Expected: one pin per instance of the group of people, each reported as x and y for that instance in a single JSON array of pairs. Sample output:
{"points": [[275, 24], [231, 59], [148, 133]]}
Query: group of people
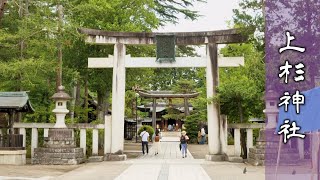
{"points": [[156, 142], [155, 138]]}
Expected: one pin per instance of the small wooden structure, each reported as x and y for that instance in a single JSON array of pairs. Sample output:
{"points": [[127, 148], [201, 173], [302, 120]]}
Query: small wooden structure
{"points": [[12, 147], [12, 103]]}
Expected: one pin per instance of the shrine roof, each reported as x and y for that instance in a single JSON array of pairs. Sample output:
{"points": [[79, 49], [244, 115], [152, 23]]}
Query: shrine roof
{"points": [[18, 101], [162, 106]]}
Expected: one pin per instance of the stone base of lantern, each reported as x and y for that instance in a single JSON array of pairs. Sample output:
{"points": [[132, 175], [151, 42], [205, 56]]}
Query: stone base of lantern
{"points": [[266, 151], [216, 157], [59, 148], [115, 157]]}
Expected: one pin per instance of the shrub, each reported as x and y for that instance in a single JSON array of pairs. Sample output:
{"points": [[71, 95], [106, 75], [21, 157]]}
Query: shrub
{"points": [[150, 130]]}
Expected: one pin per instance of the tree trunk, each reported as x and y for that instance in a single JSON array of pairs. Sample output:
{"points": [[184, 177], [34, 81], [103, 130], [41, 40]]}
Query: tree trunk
{"points": [[59, 46], [86, 98], [101, 105], [73, 102], [242, 134], [240, 111], [106, 108], [78, 95], [186, 107], [2, 6]]}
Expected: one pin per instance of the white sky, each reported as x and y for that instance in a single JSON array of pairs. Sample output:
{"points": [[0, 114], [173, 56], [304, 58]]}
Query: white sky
{"points": [[216, 14]]}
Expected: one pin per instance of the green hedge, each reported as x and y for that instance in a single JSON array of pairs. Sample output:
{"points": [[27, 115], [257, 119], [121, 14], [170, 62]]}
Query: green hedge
{"points": [[150, 130]]}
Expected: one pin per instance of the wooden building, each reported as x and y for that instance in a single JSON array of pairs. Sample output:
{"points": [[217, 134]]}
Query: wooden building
{"points": [[161, 110]]}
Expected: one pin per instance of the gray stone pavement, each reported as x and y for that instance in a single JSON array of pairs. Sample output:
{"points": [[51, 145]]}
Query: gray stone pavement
{"points": [[167, 165]]}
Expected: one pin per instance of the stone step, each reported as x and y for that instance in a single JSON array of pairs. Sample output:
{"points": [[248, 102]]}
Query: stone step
{"points": [[171, 134], [59, 150], [256, 162], [270, 150], [57, 161], [57, 155], [283, 156], [95, 158]]}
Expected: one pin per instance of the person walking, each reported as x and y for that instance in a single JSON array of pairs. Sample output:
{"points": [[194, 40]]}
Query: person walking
{"points": [[156, 142], [199, 137], [183, 141], [203, 136], [144, 135]]}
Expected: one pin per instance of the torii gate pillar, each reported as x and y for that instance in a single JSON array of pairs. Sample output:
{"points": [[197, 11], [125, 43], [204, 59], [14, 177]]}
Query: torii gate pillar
{"points": [[213, 114], [118, 98]]}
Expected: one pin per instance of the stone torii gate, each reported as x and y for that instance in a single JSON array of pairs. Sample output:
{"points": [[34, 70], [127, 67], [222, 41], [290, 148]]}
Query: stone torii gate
{"points": [[120, 61]]}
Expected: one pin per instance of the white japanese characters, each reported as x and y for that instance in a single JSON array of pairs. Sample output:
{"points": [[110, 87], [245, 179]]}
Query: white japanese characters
{"points": [[289, 128], [288, 47], [297, 99]]}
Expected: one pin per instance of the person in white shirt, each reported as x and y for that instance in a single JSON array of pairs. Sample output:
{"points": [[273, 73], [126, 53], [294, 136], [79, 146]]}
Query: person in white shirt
{"points": [[203, 136], [145, 135]]}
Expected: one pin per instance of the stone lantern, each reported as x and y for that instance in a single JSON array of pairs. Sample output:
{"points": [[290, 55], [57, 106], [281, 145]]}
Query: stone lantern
{"points": [[59, 146], [271, 110], [61, 110], [267, 137]]}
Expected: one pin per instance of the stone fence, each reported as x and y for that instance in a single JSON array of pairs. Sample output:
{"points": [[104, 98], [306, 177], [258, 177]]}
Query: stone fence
{"points": [[95, 127], [46, 126], [249, 129]]}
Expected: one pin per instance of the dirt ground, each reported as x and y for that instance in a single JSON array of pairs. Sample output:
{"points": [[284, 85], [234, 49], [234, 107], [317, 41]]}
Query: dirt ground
{"points": [[36, 171], [198, 151]]}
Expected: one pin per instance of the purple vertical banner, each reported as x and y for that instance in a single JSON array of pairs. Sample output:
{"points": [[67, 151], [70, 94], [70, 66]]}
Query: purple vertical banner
{"points": [[292, 39]]}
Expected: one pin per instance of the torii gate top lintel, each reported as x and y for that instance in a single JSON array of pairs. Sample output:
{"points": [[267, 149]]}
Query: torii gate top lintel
{"points": [[182, 38]]}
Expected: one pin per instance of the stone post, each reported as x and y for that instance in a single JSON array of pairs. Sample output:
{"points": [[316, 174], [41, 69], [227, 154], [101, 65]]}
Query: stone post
{"points": [[107, 135], [34, 140], [45, 132], [214, 143], [95, 142], [118, 103], [249, 140], [237, 146], [301, 147], [22, 131], [83, 140]]}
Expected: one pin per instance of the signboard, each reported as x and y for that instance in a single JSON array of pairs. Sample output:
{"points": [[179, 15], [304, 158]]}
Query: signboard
{"points": [[165, 48]]}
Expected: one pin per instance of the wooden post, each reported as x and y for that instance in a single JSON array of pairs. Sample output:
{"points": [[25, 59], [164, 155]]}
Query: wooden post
{"points": [[154, 113], [186, 107]]}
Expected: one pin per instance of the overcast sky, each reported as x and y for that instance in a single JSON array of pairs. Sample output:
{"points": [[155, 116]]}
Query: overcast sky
{"points": [[215, 14]]}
